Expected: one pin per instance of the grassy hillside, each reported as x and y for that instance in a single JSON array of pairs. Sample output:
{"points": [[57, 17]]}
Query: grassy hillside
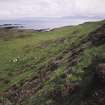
{"points": [[36, 68]]}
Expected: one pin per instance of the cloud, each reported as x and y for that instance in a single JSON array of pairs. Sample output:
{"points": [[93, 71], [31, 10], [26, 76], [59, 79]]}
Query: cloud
{"points": [[50, 8], [94, 7]]}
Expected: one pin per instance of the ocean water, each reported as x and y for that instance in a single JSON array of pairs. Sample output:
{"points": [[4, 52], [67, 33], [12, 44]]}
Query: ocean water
{"points": [[45, 23]]}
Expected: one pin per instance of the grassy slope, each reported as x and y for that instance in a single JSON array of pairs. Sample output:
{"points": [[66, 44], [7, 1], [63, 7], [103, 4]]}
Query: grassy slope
{"points": [[21, 57]]}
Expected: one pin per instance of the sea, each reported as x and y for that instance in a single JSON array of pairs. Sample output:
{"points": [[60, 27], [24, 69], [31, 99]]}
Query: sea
{"points": [[45, 23]]}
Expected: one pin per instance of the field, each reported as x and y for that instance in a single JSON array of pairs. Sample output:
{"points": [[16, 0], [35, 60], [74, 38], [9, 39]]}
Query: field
{"points": [[41, 62]]}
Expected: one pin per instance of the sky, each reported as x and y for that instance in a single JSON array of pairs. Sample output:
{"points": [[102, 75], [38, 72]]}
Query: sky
{"points": [[13, 9]]}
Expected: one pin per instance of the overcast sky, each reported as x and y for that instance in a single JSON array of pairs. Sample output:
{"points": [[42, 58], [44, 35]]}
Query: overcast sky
{"points": [[11, 9]]}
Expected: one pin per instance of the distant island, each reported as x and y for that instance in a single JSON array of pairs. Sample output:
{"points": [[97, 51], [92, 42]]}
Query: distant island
{"points": [[19, 26], [11, 26]]}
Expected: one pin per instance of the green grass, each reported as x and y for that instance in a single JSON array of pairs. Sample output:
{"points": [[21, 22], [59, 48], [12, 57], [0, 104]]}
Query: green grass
{"points": [[21, 57]]}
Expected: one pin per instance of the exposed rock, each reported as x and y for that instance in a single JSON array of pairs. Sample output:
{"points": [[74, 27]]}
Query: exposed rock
{"points": [[100, 73]]}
